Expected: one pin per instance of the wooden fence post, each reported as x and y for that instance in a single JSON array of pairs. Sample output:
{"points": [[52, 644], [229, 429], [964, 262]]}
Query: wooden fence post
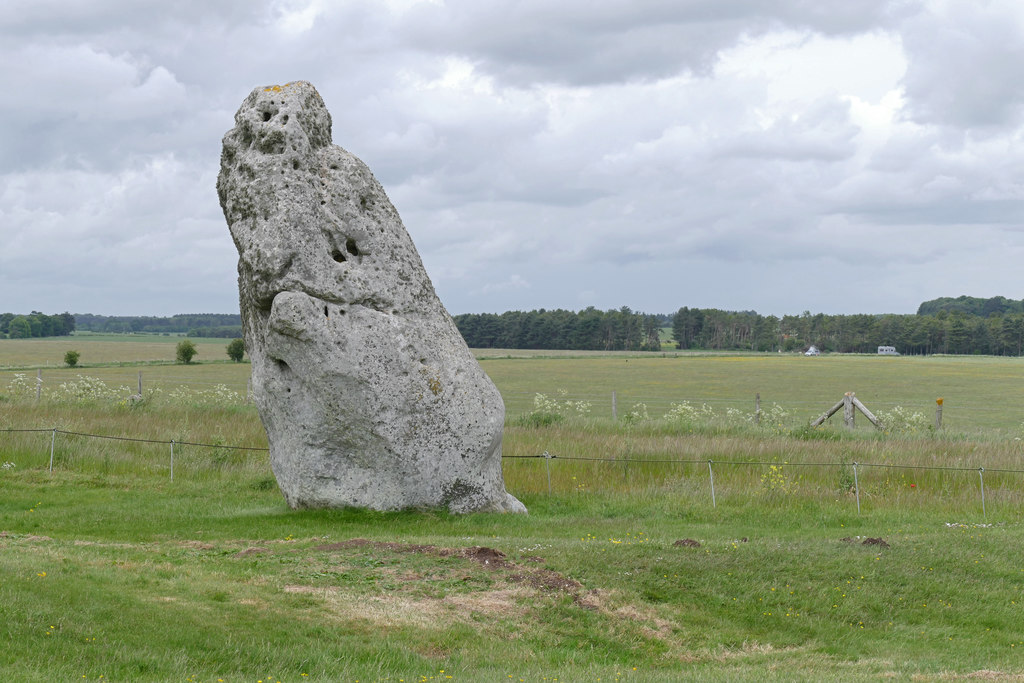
{"points": [[615, 406], [757, 409], [39, 384], [140, 383], [938, 414], [848, 403]]}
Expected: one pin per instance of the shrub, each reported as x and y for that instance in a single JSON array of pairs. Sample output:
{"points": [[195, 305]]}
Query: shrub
{"points": [[236, 350], [71, 358], [186, 351]]}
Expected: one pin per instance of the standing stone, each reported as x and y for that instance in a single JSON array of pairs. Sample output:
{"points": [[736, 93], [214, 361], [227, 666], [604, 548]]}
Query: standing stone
{"points": [[369, 395]]}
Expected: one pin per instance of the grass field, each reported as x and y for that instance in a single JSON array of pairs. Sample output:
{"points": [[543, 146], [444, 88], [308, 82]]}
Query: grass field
{"points": [[108, 568]]}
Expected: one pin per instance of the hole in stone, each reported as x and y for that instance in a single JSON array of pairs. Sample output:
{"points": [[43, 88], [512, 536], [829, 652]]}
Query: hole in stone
{"points": [[341, 311], [350, 247], [284, 119], [326, 314], [334, 167], [338, 256], [266, 116], [295, 164], [362, 203]]}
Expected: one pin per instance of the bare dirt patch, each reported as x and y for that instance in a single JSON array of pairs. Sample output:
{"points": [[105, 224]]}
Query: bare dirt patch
{"points": [[880, 542]]}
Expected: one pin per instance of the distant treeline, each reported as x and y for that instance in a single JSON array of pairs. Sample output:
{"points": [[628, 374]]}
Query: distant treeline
{"points": [[948, 330], [961, 325], [618, 330], [36, 324], [944, 332], [226, 332], [192, 324]]}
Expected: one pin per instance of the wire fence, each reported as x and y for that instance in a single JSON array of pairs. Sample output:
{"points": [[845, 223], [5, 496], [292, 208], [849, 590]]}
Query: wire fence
{"points": [[712, 465]]}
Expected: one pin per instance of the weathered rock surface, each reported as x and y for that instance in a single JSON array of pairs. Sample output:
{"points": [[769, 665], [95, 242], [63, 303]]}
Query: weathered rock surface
{"points": [[368, 393]]}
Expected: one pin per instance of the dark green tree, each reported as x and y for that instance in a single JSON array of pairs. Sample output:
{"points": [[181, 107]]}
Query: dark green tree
{"points": [[186, 351], [19, 328], [236, 350]]}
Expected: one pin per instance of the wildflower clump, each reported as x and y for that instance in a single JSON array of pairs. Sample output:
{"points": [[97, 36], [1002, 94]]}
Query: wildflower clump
{"points": [[87, 389], [776, 480], [686, 414], [900, 420], [548, 411], [219, 395], [637, 414], [774, 419], [21, 386]]}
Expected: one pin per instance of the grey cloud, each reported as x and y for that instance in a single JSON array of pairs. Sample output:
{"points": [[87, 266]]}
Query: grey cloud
{"points": [[966, 64], [585, 43], [821, 132]]}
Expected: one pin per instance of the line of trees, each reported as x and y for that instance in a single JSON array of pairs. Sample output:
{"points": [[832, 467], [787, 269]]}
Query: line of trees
{"points": [[612, 330], [945, 331], [36, 324], [186, 323]]}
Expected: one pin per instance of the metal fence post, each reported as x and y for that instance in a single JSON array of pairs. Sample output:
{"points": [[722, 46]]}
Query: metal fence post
{"points": [[547, 464], [53, 441], [981, 475], [711, 475], [856, 486], [172, 460]]}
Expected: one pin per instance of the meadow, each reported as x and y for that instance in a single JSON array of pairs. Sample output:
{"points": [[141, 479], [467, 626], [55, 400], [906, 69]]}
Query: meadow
{"points": [[625, 569]]}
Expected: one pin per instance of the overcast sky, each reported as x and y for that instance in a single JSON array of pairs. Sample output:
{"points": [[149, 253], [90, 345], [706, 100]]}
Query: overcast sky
{"points": [[836, 157]]}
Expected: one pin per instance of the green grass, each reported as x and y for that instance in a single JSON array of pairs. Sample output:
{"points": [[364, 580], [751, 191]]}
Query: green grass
{"points": [[108, 568], [134, 578], [980, 393], [104, 349]]}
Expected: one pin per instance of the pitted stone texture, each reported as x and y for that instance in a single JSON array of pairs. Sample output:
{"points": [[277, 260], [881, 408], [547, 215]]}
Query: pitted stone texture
{"points": [[368, 393]]}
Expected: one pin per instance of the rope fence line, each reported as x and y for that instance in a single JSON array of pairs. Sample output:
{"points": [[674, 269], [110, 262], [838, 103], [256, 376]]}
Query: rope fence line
{"points": [[548, 457]]}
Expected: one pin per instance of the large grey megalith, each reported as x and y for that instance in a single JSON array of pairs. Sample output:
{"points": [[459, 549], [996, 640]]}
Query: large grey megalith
{"points": [[368, 393]]}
